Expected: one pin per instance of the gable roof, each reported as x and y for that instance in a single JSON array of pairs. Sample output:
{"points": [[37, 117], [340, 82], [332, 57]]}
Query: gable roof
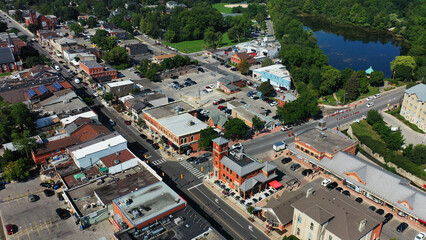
{"points": [[218, 118], [121, 156], [280, 208], [419, 90], [220, 141], [241, 167]]}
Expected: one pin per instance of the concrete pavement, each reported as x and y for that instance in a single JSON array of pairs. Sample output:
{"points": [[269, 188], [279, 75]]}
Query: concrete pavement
{"points": [[410, 136]]}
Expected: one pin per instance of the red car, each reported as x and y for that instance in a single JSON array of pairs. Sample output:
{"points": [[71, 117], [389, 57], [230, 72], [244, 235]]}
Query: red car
{"points": [[127, 122], [248, 83], [221, 107], [215, 102], [9, 229]]}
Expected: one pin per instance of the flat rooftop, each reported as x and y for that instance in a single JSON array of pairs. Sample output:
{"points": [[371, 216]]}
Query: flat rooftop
{"points": [[278, 70], [169, 109], [183, 124], [331, 141], [120, 83], [148, 202]]}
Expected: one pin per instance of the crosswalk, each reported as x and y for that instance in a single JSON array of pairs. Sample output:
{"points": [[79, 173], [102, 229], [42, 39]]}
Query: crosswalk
{"points": [[159, 161], [191, 169]]}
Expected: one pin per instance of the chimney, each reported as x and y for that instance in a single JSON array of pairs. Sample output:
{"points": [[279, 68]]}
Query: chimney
{"points": [[362, 224], [309, 192]]}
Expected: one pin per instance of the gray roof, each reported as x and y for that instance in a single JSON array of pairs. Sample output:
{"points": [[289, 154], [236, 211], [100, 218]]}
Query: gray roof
{"points": [[280, 208], [332, 143], [169, 109], [378, 182], [183, 124], [91, 64], [220, 141], [259, 178], [231, 87], [269, 167], [218, 118], [419, 90], [66, 41], [288, 97], [241, 167], [138, 48], [342, 214], [229, 79], [6, 55], [248, 184]]}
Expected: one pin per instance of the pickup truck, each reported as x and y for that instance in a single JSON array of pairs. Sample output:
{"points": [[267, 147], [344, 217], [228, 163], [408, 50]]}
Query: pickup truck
{"points": [[278, 146]]}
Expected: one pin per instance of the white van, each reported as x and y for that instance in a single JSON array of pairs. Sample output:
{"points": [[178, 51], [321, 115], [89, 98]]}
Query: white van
{"points": [[57, 68]]}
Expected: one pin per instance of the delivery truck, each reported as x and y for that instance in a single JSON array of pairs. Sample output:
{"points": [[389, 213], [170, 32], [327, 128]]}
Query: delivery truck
{"points": [[278, 146]]}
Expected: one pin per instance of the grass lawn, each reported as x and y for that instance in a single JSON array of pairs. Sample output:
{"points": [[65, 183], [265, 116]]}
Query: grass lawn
{"points": [[328, 100], [371, 91], [5, 74], [221, 7], [197, 45], [365, 133]]}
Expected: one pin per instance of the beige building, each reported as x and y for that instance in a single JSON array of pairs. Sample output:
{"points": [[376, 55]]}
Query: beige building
{"points": [[158, 59], [330, 215], [414, 105]]}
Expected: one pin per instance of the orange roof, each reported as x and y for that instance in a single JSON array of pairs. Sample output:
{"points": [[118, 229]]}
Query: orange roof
{"points": [[122, 156], [90, 131], [165, 56]]}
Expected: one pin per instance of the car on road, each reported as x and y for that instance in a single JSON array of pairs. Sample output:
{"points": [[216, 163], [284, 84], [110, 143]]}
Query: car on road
{"points": [[294, 167], [57, 68], [401, 227], [48, 192], [207, 154], [201, 160], [285, 160], [204, 112], [377, 96], [358, 200], [10, 229], [325, 182], [127, 122], [77, 81], [307, 172], [221, 107], [388, 217], [62, 213], [370, 98], [380, 211], [370, 104], [332, 185], [149, 141], [420, 236], [191, 159], [60, 197], [238, 145], [286, 128], [372, 208], [95, 94], [32, 198], [111, 123]]}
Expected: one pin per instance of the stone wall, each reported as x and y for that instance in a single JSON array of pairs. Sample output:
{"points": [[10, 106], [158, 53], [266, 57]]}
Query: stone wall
{"points": [[414, 179]]}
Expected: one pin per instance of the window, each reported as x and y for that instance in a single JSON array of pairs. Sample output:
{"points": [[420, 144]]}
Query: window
{"points": [[191, 138], [298, 231], [330, 238], [237, 177], [310, 236], [299, 219], [312, 226]]}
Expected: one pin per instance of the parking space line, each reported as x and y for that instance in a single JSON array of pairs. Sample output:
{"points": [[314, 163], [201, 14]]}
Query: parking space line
{"points": [[36, 225], [45, 223]]}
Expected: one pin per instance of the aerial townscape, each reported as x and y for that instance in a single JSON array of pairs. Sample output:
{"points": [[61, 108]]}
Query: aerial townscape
{"points": [[211, 120]]}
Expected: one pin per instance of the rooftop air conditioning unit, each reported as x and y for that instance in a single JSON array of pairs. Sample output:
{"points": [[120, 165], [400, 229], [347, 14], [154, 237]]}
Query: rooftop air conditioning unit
{"points": [[117, 161]]}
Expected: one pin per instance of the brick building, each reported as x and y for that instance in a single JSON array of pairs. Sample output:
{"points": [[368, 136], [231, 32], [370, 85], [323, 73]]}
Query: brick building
{"points": [[14, 43], [95, 70], [8, 62], [238, 58], [42, 21], [218, 120], [241, 172], [230, 84]]}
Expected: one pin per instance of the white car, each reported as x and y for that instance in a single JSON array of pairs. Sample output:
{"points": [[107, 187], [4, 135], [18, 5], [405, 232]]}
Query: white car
{"points": [[370, 104], [420, 236], [325, 182], [77, 80], [57, 68], [95, 94], [204, 112], [377, 96], [238, 145], [286, 128], [369, 98]]}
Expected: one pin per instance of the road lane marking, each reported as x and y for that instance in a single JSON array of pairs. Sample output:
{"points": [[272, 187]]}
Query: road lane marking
{"points": [[194, 186], [253, 236]]}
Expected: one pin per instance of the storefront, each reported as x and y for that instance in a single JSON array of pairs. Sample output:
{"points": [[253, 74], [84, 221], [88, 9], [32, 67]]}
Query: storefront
{"points": [[373, 198], [352, 186]]}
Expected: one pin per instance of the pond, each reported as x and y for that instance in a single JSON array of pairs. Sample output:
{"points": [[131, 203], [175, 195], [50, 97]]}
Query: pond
{"points": [[355, 47]]}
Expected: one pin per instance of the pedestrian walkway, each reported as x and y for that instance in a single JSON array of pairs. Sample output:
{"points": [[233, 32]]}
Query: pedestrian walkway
{"points": [[158, 162], [191, 169]]}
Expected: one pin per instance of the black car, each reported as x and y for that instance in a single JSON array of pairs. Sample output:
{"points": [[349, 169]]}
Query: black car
{"points": [[380, 211], [339, 189], [286, 160], [294, 167], [201, 160], [174, 77], [62, 213], [372, 208], [307, 172], [388, 217], [45, 184], [346, 193], [48, 192], [358, 200], [143, 136], [149, 141], [332, 185], [401, 227], [60, 197], [207, 154], [191, 159]]}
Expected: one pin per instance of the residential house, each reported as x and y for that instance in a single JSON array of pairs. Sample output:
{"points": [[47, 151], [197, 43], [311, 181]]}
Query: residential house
{"points": [[120, 88], [241, 172], [95, 70], [238, 57], [158, 59], [276, 74], [414, 106]]}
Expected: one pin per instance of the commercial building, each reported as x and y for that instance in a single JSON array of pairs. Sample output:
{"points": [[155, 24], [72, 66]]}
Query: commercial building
{"points": [[239, 57], [414, 105], [119, 161], [36, 94], [137, 103], [95, 70], [120, 88], [241, 172], [276, 74], [147, 205], [174, 123], [246, 113], [286, 98], [12, 41], [87, 154], [230, 84], [331, 215], [62, 101], [62, 44], [7, 61], [159, 58]]}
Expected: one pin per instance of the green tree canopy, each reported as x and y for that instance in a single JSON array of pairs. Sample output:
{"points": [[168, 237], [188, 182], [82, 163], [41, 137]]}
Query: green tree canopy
{"points": [[331, 80], [108, 96], [352, 87], [377, 78], [266, 89], [267, 62], [213, 39], [243, 67], [118, 57], [257, 123], [235, 129], [206, 137], [76, 28], [373, 116], [91, 22], [3, 27], [24, 142], [407, 61], [17, 170]]}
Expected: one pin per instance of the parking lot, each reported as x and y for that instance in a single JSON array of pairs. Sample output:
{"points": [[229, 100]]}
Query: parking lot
{"points": [[38, 219]]}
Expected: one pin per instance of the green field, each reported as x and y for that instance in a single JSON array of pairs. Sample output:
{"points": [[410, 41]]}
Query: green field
{"points": [[221, 7], [197, 45]]}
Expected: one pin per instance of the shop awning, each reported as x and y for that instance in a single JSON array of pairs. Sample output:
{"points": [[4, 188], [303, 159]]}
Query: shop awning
{"points": [[275, 184]]}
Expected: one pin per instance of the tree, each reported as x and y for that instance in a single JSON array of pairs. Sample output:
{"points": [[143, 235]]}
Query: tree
{"points": [[266, 89], [267, 62], [407, 61], [16, 170], [118, 57], [76, 28], [170, 36], [373, 116], [33, 28], [206, 137], [250, 210], [363, 81], [3, 27], [395, 141], [352, 86], [403, 73], [24, 142], [416, 154], [331, 80], [213, 39], [257, 123], [22, 117], [235, 129], [108, 97], [377, 78], [77, 58], [82, 21], [243, 67], [28, 51], [91, 22], [101, 10], [141, 123], [18, 15]]}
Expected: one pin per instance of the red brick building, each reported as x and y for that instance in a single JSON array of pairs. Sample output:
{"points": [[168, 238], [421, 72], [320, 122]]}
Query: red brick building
{"points": [[230, 84], [238, 57], [241, 172], [286, 98], [218, 120], [13, 43], [95, 70], [8, 62], [42, 21]]}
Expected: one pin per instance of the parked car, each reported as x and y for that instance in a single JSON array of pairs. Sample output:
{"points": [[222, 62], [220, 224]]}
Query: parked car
{"points": [[380, 211], [238, 145], [48, 192], [127, 122], [60, 197], [339, 189], [325, 182], [370, 104], [294, 167], [346, 193], [201, 160], [32, 198], [45, 184], [332, 185], [286, 128], [358, 200], [372, 208], [221, 107], [10, 229], [62, 213], [377, 96], [191, 159], [388, 217], [285, 160], [369, 98], [420, 236], [307, 172], [401, 227], [111, 123]]}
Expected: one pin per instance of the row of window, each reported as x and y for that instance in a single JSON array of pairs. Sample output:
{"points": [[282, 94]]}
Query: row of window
{"points": [[307, 151]]}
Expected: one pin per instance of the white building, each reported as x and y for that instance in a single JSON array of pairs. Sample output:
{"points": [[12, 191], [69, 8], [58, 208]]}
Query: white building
{"points": [[89, 153], [261, 48], [277, 74]]}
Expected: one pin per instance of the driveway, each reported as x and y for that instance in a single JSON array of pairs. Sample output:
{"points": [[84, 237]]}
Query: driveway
{"points": [[411, 136]]}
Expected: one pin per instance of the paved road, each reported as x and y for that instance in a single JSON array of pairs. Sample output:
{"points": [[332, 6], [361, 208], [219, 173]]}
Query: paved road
{"points": [[410, 136]]}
